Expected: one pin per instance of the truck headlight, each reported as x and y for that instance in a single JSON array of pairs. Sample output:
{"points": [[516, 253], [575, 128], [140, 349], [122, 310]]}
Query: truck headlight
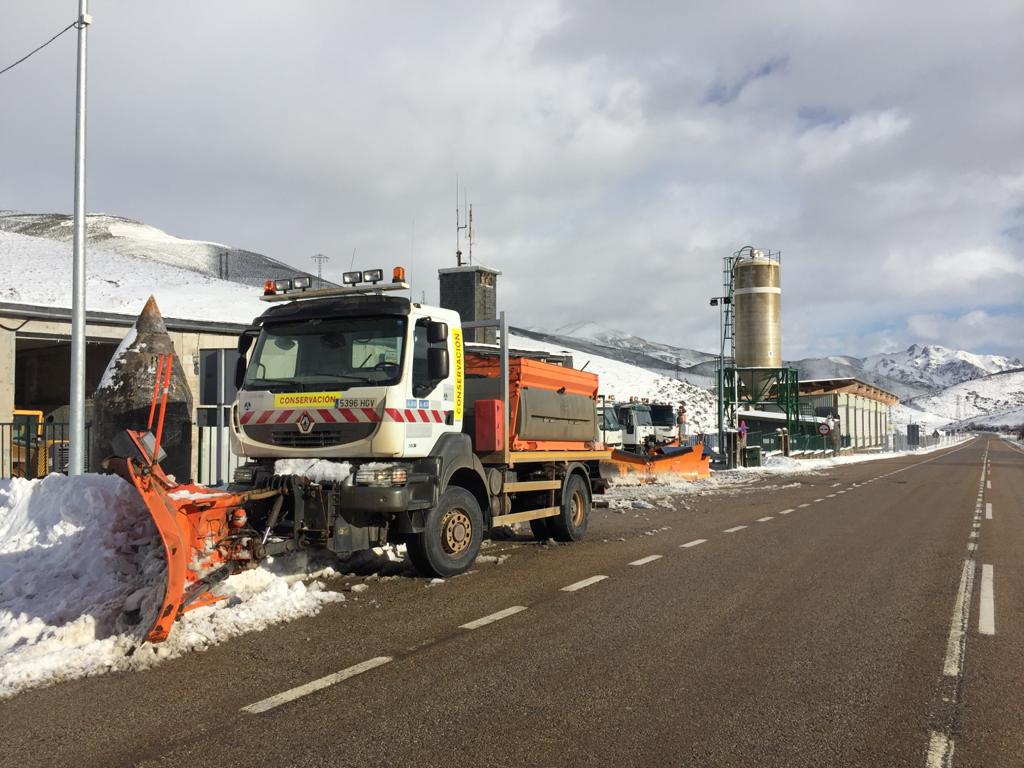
{"points": [[381, 476]]}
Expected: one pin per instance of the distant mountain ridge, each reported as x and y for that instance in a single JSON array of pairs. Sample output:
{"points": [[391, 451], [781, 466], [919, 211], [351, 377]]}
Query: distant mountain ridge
{"points": [[134, 238]]}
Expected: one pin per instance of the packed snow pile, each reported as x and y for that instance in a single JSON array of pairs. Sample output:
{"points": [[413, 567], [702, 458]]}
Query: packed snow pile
{"points": [[317, 470], [82, 574]]}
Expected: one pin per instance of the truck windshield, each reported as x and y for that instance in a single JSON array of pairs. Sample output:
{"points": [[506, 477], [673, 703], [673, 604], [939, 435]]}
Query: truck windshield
{"points": [[662, 416], [340, 352], [607, 419]]}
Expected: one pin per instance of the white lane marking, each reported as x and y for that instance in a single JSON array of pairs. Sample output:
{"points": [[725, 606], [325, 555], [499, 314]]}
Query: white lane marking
{"points": [[830, 496], [960, 621], [584, 583], [646, 560], [840, 493], [988, 484], [987, 607], [765, 519], [786, 511], [974, 535], [988, 510], [801, 506], [490, 619], [972, 547], [693, 543], [817, 500], [940, 750], [734, 529], [316, 685]]}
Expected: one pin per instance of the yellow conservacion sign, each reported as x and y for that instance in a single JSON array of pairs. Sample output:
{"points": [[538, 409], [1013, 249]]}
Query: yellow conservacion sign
{"points": [[306, 399], [459, 372]]}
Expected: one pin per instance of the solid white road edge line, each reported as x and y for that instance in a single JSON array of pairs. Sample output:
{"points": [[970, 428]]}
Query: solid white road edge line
{"points": [[490, 619], [960, 621], [646, 560], [584, 583], [693, 543], [734, 529], [315, 685], [987, 607]]}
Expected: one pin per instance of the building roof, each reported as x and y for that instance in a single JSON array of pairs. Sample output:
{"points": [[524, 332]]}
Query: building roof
{"points": [[468, 268], [847, 385], [34, 312]]}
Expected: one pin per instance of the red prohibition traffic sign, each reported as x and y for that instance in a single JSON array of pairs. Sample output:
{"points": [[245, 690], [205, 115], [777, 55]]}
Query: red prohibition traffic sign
{"points": [[824, 429]]}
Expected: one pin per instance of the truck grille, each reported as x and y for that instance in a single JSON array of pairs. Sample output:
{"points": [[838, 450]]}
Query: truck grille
{"points": [[292, 438], [322, 435]]}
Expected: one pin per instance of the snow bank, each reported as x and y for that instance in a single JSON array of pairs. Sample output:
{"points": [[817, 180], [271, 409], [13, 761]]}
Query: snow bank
{"points": [[82, 571], [317, 470]]}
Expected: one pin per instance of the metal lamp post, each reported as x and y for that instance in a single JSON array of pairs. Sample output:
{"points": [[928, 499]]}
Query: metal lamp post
{"points": [[720, 302], [76, 449]]}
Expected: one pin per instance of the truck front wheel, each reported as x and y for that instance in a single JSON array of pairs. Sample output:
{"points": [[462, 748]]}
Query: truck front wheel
{"points": [[571, 522], [451, 537]]}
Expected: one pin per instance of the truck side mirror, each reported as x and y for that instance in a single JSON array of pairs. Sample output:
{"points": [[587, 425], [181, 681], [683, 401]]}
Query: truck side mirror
{"points": [[240, 371], [244, 342], [437, 362], [437, 332]]}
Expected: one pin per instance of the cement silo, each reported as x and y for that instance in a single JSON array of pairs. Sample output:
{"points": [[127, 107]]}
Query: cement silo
{"points": [[757, 309]]}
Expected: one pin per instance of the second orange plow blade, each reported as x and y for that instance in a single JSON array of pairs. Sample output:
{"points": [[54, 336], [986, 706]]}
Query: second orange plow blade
{"points": [[673, 464]]}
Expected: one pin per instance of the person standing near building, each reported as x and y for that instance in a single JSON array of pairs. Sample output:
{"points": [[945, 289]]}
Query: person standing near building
{"points": [[741, 442], [681, 421]]}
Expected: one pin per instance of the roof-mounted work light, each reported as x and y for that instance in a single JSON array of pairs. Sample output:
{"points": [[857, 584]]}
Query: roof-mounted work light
{"points": [[301, 283], [352, 278], [373, 276], [283, 286]]}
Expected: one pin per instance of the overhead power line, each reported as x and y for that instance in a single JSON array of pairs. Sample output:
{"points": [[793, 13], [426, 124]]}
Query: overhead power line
{"points": [[37, 50]]}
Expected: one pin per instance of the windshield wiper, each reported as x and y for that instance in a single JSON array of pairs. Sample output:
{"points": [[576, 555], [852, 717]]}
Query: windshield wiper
{"points": [[274, 383]]}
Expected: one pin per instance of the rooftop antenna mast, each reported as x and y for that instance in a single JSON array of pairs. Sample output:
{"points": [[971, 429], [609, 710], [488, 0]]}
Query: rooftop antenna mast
{"points": [[320, 259], [459, 226]]}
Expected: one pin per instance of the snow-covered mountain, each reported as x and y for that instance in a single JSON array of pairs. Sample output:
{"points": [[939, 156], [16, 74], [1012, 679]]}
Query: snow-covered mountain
{"points": [[116, 234], [933, 367], [993, 400]]}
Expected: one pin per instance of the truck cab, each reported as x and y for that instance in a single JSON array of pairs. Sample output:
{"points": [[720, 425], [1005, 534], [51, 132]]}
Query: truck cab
{"points": [[638, 433], [609, 431], [663, 417]]}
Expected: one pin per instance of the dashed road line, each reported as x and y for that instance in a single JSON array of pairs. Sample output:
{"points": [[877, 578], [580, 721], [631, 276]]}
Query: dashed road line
{"points": [[314, 686], [693, 543], [646, 560], [972, 547], [493, 617], [584, 583], [765, 519], [817, 500], [988, 510], [786, 511], [801, 506], [734, 529], [940, 750], [987, 607]]}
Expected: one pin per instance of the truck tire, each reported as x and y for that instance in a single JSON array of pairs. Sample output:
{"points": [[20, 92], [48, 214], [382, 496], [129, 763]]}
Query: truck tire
{"points": [[451, 537], [571, 523], [540, 529]]}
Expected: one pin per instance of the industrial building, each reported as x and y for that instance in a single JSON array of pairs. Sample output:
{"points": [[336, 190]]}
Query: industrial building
{"points": [[35, 360], [862, 409]]}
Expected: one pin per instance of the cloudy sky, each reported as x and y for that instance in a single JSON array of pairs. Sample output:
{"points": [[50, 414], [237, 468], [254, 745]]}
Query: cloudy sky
{"points": [[613, 151]]}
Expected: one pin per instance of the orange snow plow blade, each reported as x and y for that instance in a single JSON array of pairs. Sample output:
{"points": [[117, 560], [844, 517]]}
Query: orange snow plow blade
{"points": [[204, 532], [663, 464]]}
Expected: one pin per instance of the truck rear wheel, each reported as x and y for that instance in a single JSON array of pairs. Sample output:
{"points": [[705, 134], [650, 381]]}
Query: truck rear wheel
{"points": [[450, 540], [571, 523]]}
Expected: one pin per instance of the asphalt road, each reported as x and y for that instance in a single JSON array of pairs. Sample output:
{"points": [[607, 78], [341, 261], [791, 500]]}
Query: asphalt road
{"points": [[803, 621]]}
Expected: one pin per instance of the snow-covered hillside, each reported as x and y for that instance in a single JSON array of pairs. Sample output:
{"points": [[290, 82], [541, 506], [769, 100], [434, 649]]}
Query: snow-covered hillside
{"points": [[993, 401], [933, 367], [620, 380], [116, 234], [590, 331], [38, 271]]}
